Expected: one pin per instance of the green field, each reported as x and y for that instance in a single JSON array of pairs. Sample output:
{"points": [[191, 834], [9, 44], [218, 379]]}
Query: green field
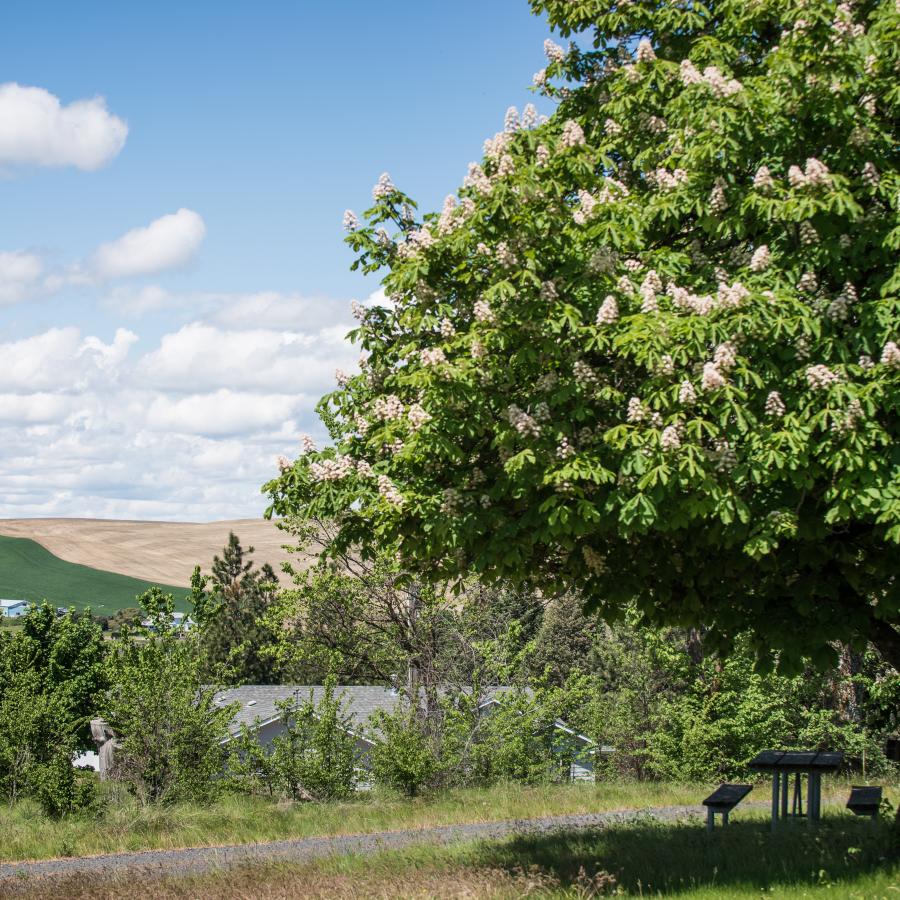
{"points": [[29, 572]]}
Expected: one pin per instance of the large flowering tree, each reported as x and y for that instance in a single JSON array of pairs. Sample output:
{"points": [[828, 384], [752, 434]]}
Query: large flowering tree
{"points": [[649, 349]]}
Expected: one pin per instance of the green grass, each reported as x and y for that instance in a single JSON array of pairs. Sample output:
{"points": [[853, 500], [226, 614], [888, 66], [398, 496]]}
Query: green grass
{"points": [[30, 572], [122, 825], [843, 858]]}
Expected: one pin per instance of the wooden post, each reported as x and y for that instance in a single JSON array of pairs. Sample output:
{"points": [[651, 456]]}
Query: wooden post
{"points": [[775, 780], [725, 817], [785, 787], [710, 818]]}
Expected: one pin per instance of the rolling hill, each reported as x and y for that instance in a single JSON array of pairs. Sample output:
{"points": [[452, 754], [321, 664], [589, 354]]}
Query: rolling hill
{"points": [[29, 571], [159, 552]]}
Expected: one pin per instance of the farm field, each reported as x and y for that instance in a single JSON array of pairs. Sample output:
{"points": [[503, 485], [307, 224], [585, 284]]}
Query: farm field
{"points": [[29, 571], [158, 552]]}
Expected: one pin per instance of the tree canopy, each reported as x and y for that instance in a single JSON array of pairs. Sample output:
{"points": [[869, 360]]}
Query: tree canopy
{"points": [[648, 350]]}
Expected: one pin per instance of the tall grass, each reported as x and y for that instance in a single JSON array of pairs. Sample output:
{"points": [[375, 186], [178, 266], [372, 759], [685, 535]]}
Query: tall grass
{"points": [[843, 858], [121, 824]]}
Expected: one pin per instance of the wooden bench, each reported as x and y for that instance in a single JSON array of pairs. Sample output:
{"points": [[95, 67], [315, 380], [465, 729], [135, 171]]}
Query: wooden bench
{"points": [[864, 801], [723, 800]]}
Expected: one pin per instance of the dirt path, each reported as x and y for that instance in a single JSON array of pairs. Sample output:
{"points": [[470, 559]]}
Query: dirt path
{"points": [[150, 863]]}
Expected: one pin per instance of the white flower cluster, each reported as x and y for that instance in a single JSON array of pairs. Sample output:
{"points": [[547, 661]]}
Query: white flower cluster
{"points": [[283, 463], [870, 176], [820, 377], [585, 376], [593, 560], [712, 378], [682, 298], [432, 356], [448, 329], [549, 291], [483, 312], [522, 422], [529, 116], [731, 296], [541, 156], [839, 308], [351, 223], [890, 355], [843, 25], [496, 146], [357, 310], [637, 412], [308, 444], [650, 287], [447, 218], [361, 423], [718, 202], [608, 311], [849, 419], [611, 191], [670, 439], [418, 416], [505, 255], [763, 180], [723, 456], [645, 51], [511, 120], [389, 407], [478, 350], [539, 79], [666, 365], [808, 283], [775, 405], [666, 180], [761, 258], [477, 179], [725, 357], [384, 187], [865, 361], [632, 73], [554, 52], [809, 237], [341, 377], [564, 450], [420, 239], [686, 394], [587, 206], [689, 73], [815, 174], [719, 84], [572, 134], [612, 127], [331, 469], [388, 491]]}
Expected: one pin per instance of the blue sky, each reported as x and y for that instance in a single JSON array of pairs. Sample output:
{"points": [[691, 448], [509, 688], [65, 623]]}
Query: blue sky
{"points": [[157, 376]]}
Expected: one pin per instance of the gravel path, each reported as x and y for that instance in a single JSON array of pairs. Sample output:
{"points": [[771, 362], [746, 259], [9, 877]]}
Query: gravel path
{"points": [[194, 860]]}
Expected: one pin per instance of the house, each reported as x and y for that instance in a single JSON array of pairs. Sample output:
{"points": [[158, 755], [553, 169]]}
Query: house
{"points": [[13, 609], [258, 711], [180, 622]]}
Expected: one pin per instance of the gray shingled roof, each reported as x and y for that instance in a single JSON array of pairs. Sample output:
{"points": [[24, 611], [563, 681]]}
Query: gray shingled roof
{"points": [[257, 701]]}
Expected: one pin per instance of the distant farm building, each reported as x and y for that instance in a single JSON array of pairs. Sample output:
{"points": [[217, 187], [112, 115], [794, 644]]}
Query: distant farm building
{"points": [[13, 609]]}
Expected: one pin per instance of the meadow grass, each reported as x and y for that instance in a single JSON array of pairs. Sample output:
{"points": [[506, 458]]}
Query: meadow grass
{"points": [[843, 858], [123, 825], [30, 572]]}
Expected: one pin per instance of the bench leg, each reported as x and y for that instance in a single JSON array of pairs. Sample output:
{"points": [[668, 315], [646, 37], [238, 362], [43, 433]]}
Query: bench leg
{"points": [[785, 787], [710, 819], [725, 817], [775, 786]]}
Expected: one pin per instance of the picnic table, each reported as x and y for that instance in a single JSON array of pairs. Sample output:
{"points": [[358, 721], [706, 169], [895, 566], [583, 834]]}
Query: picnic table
{"points": [[785, 763]]}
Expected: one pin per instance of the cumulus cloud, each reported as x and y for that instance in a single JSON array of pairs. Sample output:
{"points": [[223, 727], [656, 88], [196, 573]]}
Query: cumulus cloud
{"points": [[20, 275], [38, 130], [188, 428], [166, 243]]}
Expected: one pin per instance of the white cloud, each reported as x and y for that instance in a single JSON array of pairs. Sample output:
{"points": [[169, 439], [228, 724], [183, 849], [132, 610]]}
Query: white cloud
{"points": [[223, 412], [38, 130], [201, 356], [20, 275], [166, 243]]}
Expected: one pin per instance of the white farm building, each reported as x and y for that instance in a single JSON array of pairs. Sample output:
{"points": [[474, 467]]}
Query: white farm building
{"points": [[13, 609]]}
